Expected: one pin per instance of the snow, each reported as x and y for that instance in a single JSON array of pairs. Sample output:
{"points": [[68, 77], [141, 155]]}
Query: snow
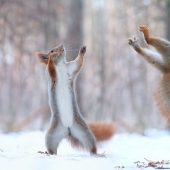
{"points": [[20, 152]]}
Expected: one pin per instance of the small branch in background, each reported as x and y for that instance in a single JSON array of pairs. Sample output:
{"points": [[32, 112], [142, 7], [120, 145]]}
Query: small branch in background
{"points": [[42, 111], [1, 150], [127, 127]]}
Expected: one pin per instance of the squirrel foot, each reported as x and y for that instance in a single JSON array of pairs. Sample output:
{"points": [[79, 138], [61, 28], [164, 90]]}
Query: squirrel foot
{"points": [[134, 44], [98, 155], [82, 50], [146, 32]]}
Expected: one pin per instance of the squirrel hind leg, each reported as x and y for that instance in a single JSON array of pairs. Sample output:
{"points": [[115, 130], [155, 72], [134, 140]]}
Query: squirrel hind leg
{"points": [[52, 138], [94, 153], [76, 143], [51, 145], [82, 137]]}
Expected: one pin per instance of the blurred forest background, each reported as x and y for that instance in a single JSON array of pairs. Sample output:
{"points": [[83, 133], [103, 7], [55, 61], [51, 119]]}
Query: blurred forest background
{"points": [[115, 84]]}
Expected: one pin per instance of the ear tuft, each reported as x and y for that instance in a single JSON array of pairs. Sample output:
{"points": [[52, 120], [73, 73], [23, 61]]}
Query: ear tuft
{"points": [[42, 58]]}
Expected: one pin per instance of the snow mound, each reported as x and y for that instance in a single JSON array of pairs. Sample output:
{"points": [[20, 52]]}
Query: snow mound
{"points": [[20, 152]]}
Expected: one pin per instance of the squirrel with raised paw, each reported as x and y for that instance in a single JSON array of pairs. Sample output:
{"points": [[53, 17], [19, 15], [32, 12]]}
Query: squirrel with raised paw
{"points": [[161, 60], [66, 119]]}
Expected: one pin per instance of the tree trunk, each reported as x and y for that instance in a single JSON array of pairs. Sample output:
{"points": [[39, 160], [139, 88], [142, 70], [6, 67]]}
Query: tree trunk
{"points": [[167, 20], [74, 36]]}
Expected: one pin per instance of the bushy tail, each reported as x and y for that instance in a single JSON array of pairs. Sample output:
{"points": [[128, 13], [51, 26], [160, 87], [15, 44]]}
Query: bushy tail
{"points": [[102, 131], [162, 100]]}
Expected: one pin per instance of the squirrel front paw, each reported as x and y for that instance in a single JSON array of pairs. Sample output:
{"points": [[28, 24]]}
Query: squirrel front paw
{"points": [[144, 29], [82, 50], [146, 33], [134, 43]]}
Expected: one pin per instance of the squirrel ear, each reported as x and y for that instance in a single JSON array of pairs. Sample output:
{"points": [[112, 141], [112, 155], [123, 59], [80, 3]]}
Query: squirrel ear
{"points": [[43, 59]]}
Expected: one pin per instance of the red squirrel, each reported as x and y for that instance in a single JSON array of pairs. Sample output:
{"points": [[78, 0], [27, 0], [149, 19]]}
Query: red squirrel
{"points": [[161, 60], [66, 119]]}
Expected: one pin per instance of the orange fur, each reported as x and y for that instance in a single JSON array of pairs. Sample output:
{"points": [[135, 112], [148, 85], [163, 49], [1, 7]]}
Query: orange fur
{"points": [[162, 93], [102, 131], [146, 33], [162, 96], [52, 69], [41, 58]]}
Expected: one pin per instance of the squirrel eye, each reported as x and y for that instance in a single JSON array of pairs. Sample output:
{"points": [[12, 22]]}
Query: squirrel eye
{"points": [[52, 51]]}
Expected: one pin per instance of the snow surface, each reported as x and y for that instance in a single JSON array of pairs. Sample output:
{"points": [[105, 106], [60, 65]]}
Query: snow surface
{"points": [[20, 152]]}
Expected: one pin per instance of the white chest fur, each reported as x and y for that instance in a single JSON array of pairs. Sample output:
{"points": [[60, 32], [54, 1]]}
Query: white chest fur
{"points": [[64, 98]]}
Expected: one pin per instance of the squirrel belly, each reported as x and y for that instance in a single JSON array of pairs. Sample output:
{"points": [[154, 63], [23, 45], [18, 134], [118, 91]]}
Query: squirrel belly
{"points": [[64, 98]]}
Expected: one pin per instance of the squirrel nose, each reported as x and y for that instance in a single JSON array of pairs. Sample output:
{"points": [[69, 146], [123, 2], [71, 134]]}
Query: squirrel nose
{"points": [[62, 47]]}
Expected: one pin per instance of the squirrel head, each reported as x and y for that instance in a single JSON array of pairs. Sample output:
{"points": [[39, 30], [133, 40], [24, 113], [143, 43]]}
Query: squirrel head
{"points": [[57, 54]]}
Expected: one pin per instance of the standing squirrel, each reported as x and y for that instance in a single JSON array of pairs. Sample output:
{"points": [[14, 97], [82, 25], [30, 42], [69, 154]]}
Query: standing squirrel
{"points": [[161, 61], [66, 119]]}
